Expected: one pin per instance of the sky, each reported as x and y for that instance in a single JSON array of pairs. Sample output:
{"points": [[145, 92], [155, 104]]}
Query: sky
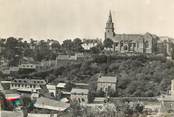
{"points": [[68, 19]]}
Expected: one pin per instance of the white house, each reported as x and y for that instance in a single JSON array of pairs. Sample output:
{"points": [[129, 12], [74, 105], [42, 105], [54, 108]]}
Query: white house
{"points": [[106, 83], [87, 44], [51, 89], [27, 85]]}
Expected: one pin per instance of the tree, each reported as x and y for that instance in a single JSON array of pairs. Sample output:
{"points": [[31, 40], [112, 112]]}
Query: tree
{"points": [[55, 46], [13, 51], [67, 45], [43, 51], [77, 47], [97, 49], [108, 43]]}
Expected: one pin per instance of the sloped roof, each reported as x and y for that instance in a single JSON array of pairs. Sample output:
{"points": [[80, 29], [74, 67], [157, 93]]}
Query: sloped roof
{"points": [[79, 91], [61, 85], [11, 113], [109, 79], [133, 37], [49, 86], [51, 104]]}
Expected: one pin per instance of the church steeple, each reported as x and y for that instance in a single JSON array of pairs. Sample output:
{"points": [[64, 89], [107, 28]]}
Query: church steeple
{"points": [[109, 30], [110, 17]]}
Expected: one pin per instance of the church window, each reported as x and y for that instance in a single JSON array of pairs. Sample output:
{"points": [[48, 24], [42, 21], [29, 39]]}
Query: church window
{"points": [[125, 48], [146, 44]]}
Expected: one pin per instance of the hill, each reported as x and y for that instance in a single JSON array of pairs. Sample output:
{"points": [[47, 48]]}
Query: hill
{"points": [[137, 75]]}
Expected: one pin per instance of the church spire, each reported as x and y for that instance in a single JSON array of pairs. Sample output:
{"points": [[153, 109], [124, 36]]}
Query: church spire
{"points": [[110, 17], [109, 30]]}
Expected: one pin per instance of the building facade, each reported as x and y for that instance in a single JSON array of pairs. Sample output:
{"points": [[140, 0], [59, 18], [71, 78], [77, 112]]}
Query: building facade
{"points": [[27, 85], [87, 44], [123, 43], [80, 95], [106, 83]]}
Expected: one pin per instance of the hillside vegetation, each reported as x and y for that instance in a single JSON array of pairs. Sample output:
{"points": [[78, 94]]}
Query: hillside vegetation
{"points": [[137, 75]]}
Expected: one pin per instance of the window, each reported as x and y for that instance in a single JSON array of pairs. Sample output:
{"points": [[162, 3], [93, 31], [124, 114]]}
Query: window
{"points": [[125, 47], [134, 44], [79, 100], [116, 44], [146, 44], [83, 100], [121, 43]]}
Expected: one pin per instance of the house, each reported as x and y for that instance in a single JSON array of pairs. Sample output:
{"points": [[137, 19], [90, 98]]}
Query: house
{"points": [[106, 83], [167, 101], [51, 89], [50, 104], [87, 44], [61, 86], [80, 95], [27, 85]]}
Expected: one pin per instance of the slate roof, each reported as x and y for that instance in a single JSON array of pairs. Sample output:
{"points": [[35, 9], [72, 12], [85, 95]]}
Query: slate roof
{"points": [[51, 104], [133, 37], [79, 91], [108, 79]]}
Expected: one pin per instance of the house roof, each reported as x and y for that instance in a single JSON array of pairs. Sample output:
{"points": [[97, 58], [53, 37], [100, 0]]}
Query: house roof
{"points": [[11, 113], [79, 91], [61, 85], [49, 86], [81, 84], [51, 104], [99, 99], [110, 79]]}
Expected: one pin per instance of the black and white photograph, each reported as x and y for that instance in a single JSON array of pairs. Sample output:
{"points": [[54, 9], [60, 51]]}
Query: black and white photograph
{"points": [[86, 58]]}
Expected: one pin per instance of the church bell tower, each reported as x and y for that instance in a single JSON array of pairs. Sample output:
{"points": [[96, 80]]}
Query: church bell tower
{"points": [[109, 30]]}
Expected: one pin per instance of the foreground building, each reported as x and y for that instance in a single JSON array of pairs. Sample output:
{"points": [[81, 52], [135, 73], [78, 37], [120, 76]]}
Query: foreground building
{"points": [[123, 43], [80, 95], [50, 104], [167, 101], [106, 83], [27, 85]]}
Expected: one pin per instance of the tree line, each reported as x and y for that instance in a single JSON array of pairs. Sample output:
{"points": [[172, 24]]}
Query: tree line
{"points": [[14, 49]]}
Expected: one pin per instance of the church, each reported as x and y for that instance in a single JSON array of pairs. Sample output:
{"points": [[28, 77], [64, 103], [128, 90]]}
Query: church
{"points": [[125, 43]]}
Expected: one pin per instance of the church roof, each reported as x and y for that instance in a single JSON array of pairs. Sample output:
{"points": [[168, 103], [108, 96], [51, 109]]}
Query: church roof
{"points": [[133, 37]]}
